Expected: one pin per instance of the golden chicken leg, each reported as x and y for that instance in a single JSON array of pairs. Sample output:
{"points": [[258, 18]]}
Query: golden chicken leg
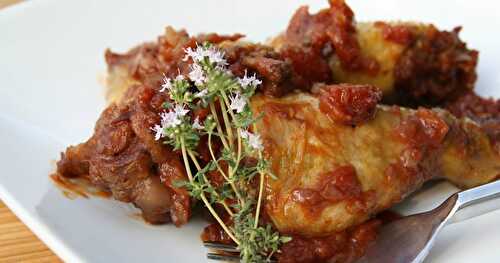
{"points": [[339, 158]]}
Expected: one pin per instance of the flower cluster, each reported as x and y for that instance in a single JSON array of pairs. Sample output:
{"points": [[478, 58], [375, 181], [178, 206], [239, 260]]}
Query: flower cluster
{"points": [[249, 81], [210, 86], [201, 53], [253, 140], [211, 80]]}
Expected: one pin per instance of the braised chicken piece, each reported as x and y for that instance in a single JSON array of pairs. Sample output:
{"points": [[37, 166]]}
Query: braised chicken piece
{"points": [[122, 157], [412, 63], [334, 174]]}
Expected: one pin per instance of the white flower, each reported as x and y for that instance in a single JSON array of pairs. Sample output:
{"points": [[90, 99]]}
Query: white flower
{"points": [[256, 82], [173, 117], [167, 84], [169, 119], [238, 103], [180, 111], [197, 75], [245, 134], [246, 81], [253, 139], [196, 54], [159, 132], [197, 125], [179, 77], [214, 56], [201, 94]]}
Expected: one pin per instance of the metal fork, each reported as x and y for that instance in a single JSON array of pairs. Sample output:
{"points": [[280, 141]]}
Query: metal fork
{"points": [[410, 238]]}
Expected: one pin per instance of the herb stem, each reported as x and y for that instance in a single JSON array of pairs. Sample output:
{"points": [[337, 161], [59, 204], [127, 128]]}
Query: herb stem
{"points": [[223, 202], [203, 197], [226, 100], [231, 183], [229, 128], [259, 200], [219, 220], [238, 157], [219, 128], [213, 157], [261, 188], [184, 158]]}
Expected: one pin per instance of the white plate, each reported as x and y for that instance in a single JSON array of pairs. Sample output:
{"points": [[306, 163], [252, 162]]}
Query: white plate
{"points": [[51, 54]]}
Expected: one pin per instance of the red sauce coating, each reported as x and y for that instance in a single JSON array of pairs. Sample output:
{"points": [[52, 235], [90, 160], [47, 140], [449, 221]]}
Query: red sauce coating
{"points": [[401, 34], [341, 184], [423, 134], [349, 104], [275, 72], [148, 62], [342, 247], [330, 30], [425, 128], [486, 112], [76, 187], [435, 66], [345, 246], [215, 233]]}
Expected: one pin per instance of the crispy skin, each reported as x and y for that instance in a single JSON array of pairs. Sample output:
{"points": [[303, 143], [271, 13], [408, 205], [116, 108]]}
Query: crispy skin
{"points": [[332, 176]]}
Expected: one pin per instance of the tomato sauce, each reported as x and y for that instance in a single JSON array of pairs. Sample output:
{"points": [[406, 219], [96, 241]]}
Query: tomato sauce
{"points": [[349, 104], [425, 129], [318, 35], [484, 111], [341, 184], [434, 67], [77, 187], [401, 34], [342, 247]]}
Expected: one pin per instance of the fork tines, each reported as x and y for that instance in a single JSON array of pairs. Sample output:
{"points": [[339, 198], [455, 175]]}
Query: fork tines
{"points": [[221, 257], [221, 247], [224, 252]]}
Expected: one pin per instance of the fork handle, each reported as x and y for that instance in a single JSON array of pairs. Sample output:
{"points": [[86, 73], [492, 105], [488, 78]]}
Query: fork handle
{"points": [[477, 201]]}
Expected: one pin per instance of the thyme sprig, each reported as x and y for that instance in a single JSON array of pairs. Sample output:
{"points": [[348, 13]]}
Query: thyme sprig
{"points": [[210, 85]]}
